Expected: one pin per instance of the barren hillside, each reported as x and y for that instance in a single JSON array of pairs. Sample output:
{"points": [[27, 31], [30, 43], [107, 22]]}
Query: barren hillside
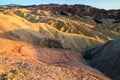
{"points": [[47, 44]]}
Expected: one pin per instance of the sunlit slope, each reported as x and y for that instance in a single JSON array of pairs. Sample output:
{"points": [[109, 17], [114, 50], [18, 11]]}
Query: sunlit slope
{"points": [[20, 29], [70, 24]]}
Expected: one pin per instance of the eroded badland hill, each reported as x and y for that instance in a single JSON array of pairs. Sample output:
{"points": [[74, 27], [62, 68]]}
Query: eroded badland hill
{"points": [[59, 42]]}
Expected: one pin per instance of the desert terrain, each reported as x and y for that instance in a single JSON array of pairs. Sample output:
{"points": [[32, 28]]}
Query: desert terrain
{"points": [[59, 42]]}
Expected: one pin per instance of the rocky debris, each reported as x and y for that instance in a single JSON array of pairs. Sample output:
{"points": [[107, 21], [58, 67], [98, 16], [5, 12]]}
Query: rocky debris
{"points": [[24, 61]]}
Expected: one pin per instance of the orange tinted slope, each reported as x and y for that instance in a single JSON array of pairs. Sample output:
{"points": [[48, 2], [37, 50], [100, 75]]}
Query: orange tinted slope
{"points": [[20, 60]]}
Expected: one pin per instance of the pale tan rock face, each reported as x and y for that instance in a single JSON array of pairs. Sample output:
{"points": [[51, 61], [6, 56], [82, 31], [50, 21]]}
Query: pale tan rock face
{"points": [[20, 60], [43, 34]]}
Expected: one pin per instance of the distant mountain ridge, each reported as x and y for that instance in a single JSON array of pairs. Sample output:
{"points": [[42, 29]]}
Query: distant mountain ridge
{"points": [[77, 9]]}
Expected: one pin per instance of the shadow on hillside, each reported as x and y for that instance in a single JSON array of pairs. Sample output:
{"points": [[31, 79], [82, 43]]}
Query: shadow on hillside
{"points": [[32, 37]]}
